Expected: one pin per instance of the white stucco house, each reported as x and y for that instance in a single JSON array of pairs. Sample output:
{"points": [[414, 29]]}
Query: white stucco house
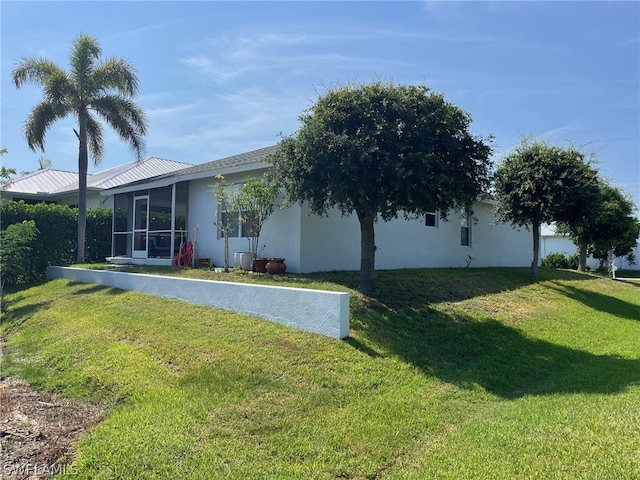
{"points": [[59, 186], [552, 242], [152, 216]]}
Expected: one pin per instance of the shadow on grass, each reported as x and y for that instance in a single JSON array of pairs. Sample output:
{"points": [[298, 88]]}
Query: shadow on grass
{"points": [[600, 302], [87, 288], [498, 358], [629, 281], [467, 352]]}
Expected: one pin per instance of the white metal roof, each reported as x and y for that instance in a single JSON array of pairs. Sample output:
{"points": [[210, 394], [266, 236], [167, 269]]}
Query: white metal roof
{"points": [[51, 182], [42, 181]]}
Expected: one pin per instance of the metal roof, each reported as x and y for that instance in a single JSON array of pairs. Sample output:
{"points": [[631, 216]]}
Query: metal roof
{"points": [[51, 182], [127, 173], [243, 161], [42, 181]]}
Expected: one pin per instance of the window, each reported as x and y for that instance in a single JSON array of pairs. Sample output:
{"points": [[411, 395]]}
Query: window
{"points": [[231, 222], [236, 228], [431, 219], [465, 230]]}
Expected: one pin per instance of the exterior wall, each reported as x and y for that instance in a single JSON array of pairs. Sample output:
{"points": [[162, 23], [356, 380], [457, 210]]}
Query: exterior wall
{"points": [[310, 243], [334, 243], [558, 244], [280, 234]]}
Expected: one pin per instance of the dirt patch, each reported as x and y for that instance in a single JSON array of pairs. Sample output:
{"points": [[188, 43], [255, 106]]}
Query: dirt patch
{"points": [[37, 431]]}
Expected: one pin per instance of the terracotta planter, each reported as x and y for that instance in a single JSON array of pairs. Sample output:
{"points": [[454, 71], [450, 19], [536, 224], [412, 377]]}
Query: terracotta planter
{"points": [[260, 265], [276, 265]]}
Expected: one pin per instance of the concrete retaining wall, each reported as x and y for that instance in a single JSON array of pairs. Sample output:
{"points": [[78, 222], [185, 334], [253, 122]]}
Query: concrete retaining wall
{"points": [[317, 311]]}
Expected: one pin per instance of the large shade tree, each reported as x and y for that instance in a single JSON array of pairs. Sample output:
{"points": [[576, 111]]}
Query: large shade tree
{"points": [[382, 150], [610, 226], [542, 183], [93, 89]]}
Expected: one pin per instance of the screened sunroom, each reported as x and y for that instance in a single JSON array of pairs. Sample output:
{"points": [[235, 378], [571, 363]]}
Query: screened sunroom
{"points": [[150, 224]]}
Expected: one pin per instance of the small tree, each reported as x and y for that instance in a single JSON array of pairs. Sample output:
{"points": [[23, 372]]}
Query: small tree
{"points": [[610, 225], [15, 249], [226, 206], [382, 151], [541, 183], [256, 202]]}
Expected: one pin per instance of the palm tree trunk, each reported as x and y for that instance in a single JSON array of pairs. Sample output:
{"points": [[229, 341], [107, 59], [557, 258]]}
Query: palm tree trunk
{"points": [[536, 250], [367, 252], [83, 166]]}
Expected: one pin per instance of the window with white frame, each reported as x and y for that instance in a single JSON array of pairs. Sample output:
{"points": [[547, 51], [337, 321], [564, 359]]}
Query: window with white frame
{"points": [[465, 230], [239, 224], [431, 219]]}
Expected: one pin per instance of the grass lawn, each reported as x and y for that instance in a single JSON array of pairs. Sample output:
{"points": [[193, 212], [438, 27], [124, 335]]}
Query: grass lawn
{"points": [[448, 373]]}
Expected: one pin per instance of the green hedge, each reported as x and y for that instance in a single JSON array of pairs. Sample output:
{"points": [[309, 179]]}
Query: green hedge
{"points": [[58, 226]]}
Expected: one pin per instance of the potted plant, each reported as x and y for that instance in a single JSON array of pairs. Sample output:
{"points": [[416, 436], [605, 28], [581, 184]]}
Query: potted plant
{"points": [[256, 202]]}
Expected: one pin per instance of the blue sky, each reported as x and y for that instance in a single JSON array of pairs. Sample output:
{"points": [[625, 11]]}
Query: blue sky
{"points": [[222, 78]]}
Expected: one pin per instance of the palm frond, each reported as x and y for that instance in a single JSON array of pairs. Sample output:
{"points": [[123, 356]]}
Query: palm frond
{"points": [[58, 88], [95, 141], [117, 74], [84, 55], [35, 71], [126, 118], [40, 120]]}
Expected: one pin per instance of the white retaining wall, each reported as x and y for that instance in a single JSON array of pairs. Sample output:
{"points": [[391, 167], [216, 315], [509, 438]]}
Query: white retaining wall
{"points": [[317, 311]]}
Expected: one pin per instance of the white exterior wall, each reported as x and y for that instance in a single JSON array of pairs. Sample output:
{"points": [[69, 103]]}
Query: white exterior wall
{"points": [[333, 243], [310, 243], [280, 234], [560, 244]]}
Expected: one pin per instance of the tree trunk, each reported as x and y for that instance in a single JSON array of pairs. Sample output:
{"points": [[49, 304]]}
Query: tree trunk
{"points": [[226, 250], [367, 251], [582, 263], [536, 250], [83, 164]]}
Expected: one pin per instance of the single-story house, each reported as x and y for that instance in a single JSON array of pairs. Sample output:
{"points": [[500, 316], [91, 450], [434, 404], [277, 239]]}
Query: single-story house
{"points": [[552, 242], [59, 186], [153, 216]]}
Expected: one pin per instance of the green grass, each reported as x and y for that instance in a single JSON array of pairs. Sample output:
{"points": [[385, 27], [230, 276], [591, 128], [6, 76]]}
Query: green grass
{"points": [[448, 373]]}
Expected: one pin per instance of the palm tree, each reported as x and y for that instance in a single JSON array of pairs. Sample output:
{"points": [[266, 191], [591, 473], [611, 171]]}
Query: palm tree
{"points": [[93, 88]]}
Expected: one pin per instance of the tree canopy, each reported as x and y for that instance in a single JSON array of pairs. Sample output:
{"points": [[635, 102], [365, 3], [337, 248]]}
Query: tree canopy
{"points": [[382, 150], [610, 226], [93, 89], [542, 183]]}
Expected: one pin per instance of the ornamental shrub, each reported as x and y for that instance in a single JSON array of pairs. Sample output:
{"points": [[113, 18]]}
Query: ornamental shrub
{"points": [[58, 227], [15, 251], [98, 235], [555, 260]]}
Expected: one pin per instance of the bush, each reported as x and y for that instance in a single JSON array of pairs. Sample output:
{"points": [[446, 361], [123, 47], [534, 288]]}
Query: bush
{"points": [[98, 235], [15, 252], [58, 226], [555, 260]]}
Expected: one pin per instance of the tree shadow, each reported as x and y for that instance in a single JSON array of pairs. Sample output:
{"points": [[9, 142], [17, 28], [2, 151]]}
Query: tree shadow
{"points": [[404, 288], [600, 302], [87, 288], [635, 282], [17, 315], [500, 359]]}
